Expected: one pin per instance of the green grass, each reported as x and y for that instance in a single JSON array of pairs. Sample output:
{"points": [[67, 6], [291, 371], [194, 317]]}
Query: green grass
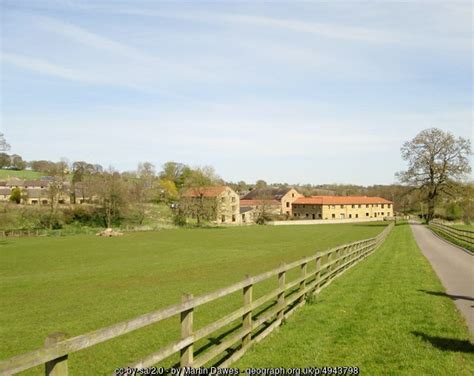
{"points": [[82, 283], [461, 243], [464, 227], [387, 316], [24, 174]]}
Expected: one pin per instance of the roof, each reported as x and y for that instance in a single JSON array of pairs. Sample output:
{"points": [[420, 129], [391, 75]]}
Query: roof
{"points": [[205, 191], [35, 193], [259, 202], [245, 209], [341, 200], [5, 191], [275, 193]]}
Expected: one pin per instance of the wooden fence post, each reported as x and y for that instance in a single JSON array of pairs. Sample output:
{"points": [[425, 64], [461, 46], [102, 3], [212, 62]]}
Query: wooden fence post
{"points": [[58, 366], [303, 282], [186, 331], [318, 272], [281, 295], [247, 317]]}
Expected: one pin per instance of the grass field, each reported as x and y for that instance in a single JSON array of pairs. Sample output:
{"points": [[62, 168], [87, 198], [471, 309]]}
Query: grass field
{"points": [[80, 283], [24, 174], [388, 316]]}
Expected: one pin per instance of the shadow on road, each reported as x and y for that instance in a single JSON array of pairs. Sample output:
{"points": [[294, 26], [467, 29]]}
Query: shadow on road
{"points": [[446, 344], [453, 297]]}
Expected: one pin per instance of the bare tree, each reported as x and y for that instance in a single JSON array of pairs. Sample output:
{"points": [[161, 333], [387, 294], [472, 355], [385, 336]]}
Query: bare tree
{"points": [[196, 202], [4, 146], [142, 189], [109, 194], [436, 160]]}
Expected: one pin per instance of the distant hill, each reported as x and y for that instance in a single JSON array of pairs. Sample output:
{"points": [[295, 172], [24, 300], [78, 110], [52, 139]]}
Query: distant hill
{"points": [[23, 174]]}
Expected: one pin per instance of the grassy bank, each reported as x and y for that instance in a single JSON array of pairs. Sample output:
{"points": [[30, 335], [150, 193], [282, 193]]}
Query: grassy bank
{"points": [[81, 283], [388, 316], [461, 243], [22, 174]]}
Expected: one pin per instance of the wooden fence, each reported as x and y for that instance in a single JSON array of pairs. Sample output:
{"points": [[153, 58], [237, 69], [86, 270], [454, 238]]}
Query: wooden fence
{"points": [[22, 233], [284, 299], [464, 236]]}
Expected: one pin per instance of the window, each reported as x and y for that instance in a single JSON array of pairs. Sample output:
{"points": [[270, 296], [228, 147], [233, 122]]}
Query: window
{"points": [[342, 215], [287, 212], [294, 215], [367, 206], [360, 206], [319, 215], [383, 206], [307, 215], [233, 199], [353, 206], [366, 214], [223, 218], [233, 208], [334, 215], [350, 215], [292, 195], [383, 213], [342, 206], [388, 206], [303, 206], [222, 199], [243, 217], [314, 216], [233, 218], [357, 215], [287, 204], [375, 215]]}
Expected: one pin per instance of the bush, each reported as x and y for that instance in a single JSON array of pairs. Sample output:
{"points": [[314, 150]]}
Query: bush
{"points": [[52, 221], [179, 220]]}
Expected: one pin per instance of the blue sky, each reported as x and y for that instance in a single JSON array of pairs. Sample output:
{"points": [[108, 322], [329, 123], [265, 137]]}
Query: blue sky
{"points": [[297, 92]]}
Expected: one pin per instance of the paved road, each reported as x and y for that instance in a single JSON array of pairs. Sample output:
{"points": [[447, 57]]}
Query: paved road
{"points": [[455, 269]]}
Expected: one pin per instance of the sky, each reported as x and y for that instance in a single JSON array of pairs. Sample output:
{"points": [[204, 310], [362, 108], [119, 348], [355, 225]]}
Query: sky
{"points": [[295, 92]]}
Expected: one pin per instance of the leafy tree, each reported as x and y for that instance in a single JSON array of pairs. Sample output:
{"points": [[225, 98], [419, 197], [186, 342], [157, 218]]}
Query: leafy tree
{"points": [[4, 160], [168, 191], [178, 173], [17, 162], [436, 160], [260, 184], [15, 195]]}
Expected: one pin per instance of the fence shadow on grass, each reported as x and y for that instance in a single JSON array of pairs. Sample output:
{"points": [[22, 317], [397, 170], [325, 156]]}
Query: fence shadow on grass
{"points": [[446, 344], [453, 297]]}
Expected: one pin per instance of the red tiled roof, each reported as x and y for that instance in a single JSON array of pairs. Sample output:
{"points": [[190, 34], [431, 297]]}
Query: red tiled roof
{"points": [[259, 202], [341, 200], [205, 191]]}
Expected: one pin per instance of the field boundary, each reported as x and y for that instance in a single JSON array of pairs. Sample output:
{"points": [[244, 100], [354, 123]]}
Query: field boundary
{"points": [[323, 221], [277, 305], [463, 239]]}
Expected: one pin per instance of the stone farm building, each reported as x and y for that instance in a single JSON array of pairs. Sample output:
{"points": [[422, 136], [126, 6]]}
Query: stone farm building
{"points": [[223, 201], [342, 207], [278, 200], [34, 192]]}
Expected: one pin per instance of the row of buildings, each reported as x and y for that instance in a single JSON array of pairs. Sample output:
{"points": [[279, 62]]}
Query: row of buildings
{"points": [[288, 203], [230, 207]]}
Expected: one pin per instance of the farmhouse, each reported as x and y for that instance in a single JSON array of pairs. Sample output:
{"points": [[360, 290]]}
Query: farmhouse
{"points": [[341, 207], [221, 201], [278, 200], [34, 192]]}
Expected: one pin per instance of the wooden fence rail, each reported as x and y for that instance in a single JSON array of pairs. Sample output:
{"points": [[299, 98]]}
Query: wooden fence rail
{"points": [[279, 303], [465, 236]]}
